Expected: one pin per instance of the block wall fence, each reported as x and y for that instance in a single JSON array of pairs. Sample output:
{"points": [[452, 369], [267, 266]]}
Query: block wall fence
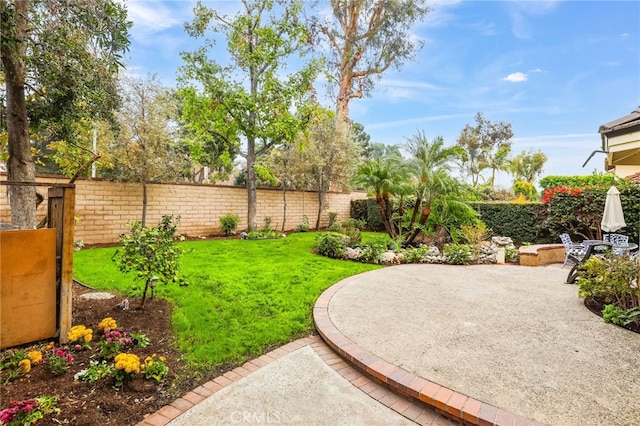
{"points": [[104, 207]]}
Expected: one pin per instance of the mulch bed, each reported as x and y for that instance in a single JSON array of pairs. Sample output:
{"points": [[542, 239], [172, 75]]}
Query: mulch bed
{"points": [[596, 306], [101, 403]]}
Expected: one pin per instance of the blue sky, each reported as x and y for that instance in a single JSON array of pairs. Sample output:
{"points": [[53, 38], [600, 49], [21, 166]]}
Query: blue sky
{"points": [[555, 70]]}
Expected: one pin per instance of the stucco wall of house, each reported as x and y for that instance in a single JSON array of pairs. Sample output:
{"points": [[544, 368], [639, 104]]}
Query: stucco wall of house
{"points": [[103, 207]]}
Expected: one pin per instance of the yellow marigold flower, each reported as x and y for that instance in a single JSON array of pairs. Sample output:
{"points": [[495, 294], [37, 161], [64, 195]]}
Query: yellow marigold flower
{"points": [[130, 363], [162, 358], [49, 346], [35, 356], [107, 324], [25, 366]]}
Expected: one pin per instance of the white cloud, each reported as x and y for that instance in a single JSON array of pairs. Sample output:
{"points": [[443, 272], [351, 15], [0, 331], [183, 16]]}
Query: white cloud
{"points": [[516, 77], [152, 16], [536, 70]]}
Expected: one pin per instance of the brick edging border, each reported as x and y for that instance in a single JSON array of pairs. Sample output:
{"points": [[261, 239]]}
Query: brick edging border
{"points": [[453, 404]]}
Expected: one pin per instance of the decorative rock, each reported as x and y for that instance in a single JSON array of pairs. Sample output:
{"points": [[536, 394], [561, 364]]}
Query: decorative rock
{"points": [[433, 251], [502, 241], [97, 295], [388, 258]]}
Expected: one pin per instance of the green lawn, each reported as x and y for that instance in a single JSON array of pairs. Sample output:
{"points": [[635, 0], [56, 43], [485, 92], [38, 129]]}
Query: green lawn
{"points": [[243, 296]]}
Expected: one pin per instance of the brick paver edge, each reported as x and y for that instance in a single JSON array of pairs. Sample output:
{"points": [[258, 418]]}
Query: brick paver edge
{"points": [[403, 406], [448, 402]]}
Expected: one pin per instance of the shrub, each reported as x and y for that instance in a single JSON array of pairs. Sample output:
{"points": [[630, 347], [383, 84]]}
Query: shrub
{"points": [[415, 254], [229, 223], [578, 181], [371, 251], [367, 211], [511, 255], [458, 254], [613, 314], [331, 244], [351, 228], [333, 216], [151, 252], [525, 189], [335, 227], [612, 279], [304, 226]]}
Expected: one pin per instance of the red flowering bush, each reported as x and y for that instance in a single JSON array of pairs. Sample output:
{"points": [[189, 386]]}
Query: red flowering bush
{"points": [[549, 193]]}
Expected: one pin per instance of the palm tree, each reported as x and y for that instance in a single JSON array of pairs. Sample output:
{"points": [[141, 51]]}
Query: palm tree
{"points": [[432, 164], [381, 176], [498, 162]]}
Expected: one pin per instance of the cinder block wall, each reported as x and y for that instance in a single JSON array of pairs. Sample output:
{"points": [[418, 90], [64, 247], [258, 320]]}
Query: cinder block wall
{"points": [[103, 207]]}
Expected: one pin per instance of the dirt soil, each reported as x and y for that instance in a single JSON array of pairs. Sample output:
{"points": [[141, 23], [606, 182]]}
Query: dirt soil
{"points": [[101, 403]]}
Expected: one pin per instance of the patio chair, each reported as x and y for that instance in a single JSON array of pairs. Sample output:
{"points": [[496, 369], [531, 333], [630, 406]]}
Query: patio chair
{"points": [[618, 241], [571, 250]]}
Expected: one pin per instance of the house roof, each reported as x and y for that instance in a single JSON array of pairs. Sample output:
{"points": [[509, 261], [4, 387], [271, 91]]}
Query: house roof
{"points": [[635, 178], [627, 121]]}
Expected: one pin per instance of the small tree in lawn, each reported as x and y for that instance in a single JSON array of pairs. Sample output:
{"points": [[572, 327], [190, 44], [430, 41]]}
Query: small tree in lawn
{"points": [[151, 252]]}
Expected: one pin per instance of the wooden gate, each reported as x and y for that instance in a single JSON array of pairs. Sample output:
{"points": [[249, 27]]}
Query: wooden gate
{"points": [[36, 274]]}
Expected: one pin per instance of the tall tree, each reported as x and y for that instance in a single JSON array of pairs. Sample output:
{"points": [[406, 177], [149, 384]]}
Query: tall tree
{"points": [[365, 38], [330, 155], [145, 149], [497, 161], [483, 144], [527, 166], [63, 56], [250, 93]]}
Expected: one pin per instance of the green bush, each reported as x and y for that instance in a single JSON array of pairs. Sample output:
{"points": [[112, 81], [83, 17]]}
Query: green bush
{"points": [[526, 189], [332, 218], [304, 226], [352, 229], [331, 244], [614, 314], [511, 255], [229, 223], [521, 222], [578, 181], [367, 211], [612, 280], [371, 251], [415, 254], [458, 254], [335, 227]]}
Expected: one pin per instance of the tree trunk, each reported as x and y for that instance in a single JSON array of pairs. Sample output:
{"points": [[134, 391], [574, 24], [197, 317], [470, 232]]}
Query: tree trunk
{"points": [[251, 185], [144, 204], [383, 215], [424, 215], [284, 205], [321, 202], [20, 166]]}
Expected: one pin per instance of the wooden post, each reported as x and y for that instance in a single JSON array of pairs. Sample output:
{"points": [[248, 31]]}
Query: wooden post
{"points": [[62, 202]]}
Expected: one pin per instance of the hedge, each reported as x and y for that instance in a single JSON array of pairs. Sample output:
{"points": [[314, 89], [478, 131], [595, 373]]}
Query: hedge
{"points": [[520, 222], [577, 213], [368, 211]]}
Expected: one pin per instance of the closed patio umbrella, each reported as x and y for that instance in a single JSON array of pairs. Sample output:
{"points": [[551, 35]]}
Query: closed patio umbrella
{"points": [[613, 217]]}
